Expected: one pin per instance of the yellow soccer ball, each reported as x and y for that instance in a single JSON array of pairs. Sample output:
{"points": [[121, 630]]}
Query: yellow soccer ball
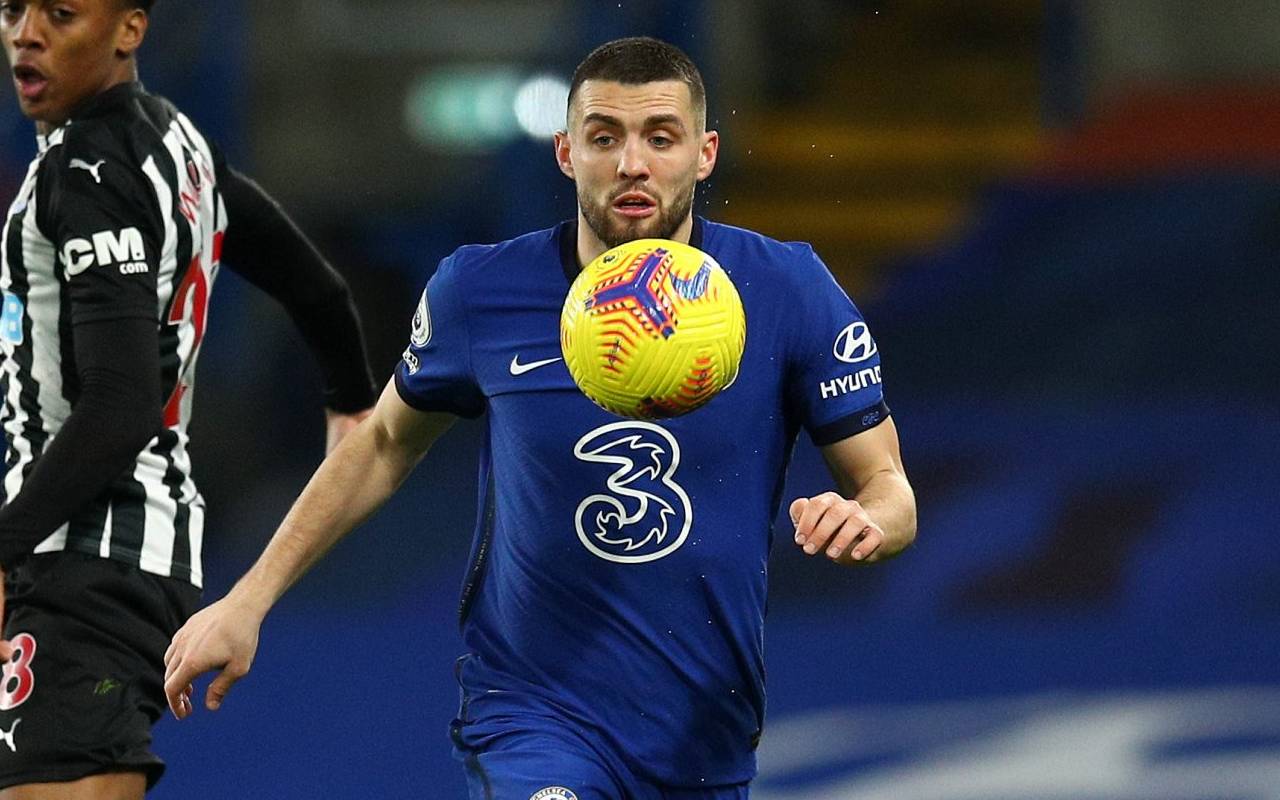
{"points": [[652, 328]]}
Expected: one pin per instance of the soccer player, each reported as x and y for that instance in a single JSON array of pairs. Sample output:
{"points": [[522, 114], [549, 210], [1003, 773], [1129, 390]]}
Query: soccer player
{"points": [[109, 252], [614, 609]]}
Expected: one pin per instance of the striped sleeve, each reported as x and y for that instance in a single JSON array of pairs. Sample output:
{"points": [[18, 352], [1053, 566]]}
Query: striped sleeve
{"points": [[101, 216]]}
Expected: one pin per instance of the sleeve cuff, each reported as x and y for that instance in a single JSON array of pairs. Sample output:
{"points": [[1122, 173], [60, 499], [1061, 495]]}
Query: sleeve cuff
{"points": [[850, 425], [428, 404], [349, 400]]}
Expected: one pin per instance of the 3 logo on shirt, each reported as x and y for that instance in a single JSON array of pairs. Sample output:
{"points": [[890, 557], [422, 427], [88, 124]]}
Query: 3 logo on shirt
{"points": [[643, 514], [124, 247]]}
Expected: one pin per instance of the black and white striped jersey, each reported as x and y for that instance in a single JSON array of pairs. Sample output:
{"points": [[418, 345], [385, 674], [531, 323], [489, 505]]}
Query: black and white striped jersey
{"points": [[120, 216]]}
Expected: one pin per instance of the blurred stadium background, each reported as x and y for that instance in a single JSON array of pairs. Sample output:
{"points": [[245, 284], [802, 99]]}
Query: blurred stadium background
{"points": [[1062, 219]]}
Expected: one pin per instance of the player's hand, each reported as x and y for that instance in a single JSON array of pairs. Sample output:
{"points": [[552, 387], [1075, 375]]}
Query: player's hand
{"points": [[337, 425], [223, 637], [840, 528], [6, 649]]}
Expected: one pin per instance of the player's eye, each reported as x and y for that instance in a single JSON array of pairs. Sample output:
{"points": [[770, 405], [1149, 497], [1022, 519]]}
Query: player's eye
{"points": [[62, 14], [661, 141], [603, 140]]}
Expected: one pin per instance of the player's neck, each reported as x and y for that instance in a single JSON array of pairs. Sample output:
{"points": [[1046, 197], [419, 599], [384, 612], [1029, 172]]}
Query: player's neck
{"points": [[127, 73], [590, 246]]}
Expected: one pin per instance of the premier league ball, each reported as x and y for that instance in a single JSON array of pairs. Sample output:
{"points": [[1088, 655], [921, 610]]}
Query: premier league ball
{"points": [[652, 328]]}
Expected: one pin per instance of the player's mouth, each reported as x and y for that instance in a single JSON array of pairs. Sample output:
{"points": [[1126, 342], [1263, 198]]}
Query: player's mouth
{"points": [[636, 205], [30, 81]]}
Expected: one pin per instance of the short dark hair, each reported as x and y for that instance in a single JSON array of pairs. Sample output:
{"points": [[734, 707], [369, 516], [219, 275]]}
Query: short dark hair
{"points": [[641, 59], [145, 5]]}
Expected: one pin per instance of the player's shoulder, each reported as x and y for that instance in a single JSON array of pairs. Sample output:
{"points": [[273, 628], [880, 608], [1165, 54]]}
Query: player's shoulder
{"points": [[476, 261], [744, 248], [87, 145], [115, 130]]}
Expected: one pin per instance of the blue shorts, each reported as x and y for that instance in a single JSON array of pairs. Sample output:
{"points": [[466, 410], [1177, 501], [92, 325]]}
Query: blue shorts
{"points": [[536, 758]]}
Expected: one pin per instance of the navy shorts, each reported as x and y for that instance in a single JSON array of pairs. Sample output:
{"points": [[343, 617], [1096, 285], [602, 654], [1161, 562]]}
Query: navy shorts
{"points": [[86, 682], [539, 758]]}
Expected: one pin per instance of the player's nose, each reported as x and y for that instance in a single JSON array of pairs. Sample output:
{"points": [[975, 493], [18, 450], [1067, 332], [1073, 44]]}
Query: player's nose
{"points": [[632, 162], [25, 31]]}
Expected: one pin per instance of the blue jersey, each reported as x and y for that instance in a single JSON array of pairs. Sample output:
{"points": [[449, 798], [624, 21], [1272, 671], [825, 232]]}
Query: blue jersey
{"points": [[618, 573]]}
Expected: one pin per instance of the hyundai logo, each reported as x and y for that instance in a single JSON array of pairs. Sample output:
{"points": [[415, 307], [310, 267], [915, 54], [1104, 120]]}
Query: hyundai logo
{"points": [[854, 344]]}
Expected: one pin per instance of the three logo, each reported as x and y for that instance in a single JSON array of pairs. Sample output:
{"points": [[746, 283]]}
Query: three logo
{"points": [[643, 514]]}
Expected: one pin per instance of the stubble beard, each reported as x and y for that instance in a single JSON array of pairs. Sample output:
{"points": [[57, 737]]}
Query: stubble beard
{"points": [[612, 232]]}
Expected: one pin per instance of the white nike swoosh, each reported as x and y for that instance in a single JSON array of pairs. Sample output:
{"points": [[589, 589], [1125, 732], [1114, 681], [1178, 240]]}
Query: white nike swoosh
{"points": [[519, 369]]}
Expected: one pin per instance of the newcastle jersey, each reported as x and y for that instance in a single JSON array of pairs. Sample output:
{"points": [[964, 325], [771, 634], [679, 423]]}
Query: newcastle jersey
{"points": [[120, 216]]}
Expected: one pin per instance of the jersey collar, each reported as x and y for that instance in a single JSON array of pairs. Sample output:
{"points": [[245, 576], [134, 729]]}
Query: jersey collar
{"points": [[105, 102], [99, 105], [567, 233]]}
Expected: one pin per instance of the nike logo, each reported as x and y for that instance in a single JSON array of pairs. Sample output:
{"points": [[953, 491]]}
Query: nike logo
{"points": [[519, 369], [77, 163]]}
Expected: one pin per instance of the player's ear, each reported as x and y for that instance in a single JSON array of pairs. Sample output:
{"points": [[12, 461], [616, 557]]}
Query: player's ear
{"points": [[563, 148], [707, 154], [132, 30]]}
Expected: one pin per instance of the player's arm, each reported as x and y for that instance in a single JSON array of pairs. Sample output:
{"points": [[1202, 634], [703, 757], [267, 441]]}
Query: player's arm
{"points": [[873, 517], [834, 382], [117, 412], [264, 246], [115, 415], [353, 481]]}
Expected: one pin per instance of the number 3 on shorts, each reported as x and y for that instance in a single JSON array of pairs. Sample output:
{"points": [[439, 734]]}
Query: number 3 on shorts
{"points": [[18, 681]]}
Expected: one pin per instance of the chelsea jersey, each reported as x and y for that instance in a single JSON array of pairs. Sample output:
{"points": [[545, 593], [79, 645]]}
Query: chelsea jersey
{"points": [[618, 571]]}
